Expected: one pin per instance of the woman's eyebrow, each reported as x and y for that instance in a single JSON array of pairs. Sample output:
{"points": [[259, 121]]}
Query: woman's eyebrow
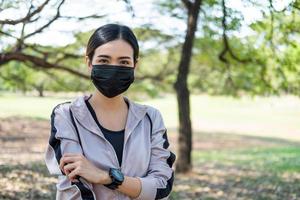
{"points": [[106, 56], [124, 57]]}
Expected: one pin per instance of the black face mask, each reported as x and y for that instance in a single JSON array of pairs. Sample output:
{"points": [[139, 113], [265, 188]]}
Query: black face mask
{"points": [[112, 80]]}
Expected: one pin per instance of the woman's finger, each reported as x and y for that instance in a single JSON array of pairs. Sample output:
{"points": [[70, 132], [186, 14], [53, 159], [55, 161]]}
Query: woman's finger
{"points": [[61, 163], [66, 160], [73, 174], [70, 166]]}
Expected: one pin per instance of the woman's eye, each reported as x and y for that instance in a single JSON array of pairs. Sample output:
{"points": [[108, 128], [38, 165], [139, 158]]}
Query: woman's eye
{"points": [[124, 62], [103, 61]]}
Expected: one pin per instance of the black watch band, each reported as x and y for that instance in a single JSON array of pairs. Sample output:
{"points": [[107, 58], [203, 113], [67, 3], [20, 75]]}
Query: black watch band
{"points": [[117, 178]]}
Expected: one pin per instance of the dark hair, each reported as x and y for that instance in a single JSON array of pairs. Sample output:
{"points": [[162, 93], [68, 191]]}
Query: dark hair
{"points": [[110, 32]]}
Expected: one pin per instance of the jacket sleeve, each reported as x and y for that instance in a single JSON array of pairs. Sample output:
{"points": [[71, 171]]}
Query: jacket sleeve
{"points": [[63, 139], [158, 182]]}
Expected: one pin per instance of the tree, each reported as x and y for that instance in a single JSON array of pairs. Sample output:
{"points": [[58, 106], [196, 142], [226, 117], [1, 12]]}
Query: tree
{"points": [[184, 163], [243, 62]]}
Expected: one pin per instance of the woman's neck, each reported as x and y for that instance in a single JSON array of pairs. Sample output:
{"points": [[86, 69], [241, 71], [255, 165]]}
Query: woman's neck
{"points": [[101, 102]]}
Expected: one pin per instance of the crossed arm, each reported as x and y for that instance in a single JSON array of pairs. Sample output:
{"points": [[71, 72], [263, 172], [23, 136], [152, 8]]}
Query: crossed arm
{"points": [[73, 165]]}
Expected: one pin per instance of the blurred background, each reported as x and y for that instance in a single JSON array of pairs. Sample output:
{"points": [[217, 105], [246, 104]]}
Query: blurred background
{"points": [[224, 73]]}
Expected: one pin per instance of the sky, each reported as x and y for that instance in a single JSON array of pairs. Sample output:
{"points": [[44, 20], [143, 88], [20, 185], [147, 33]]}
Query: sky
{"points": [[60, 32]]}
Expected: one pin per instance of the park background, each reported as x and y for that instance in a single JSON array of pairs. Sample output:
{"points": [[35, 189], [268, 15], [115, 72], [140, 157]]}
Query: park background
{"points": [[225, 74]]}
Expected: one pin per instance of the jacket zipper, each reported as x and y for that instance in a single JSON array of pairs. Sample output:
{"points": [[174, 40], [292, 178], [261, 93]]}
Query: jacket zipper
{"points": [[116, 158], [114, 152]]}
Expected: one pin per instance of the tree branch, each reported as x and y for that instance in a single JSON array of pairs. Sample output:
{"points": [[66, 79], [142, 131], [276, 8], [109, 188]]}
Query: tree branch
{"points": [[27, 17], [47, 24], [37, 62], [17, 53], [94, 16], [129, 7], [284, 9], [49, 53], [227, 48], [187, 4], [8, 34]]}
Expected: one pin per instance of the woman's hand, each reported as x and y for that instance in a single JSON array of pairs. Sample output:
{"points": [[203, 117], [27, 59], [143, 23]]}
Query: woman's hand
{"points": [[76, 164]]}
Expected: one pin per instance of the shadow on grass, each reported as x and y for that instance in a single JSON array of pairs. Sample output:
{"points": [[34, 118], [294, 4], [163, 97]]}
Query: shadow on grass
{"points": [[226, 166], [241, 167], [26, 181], [216, 183]]}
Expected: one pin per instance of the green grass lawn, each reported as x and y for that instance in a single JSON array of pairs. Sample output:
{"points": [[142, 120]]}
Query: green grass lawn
{"points": [[270, 117], [35, 107], [272, 159]]}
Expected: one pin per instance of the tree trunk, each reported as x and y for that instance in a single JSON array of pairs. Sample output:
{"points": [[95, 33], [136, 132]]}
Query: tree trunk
{"points": [[184, 161], [40, 89]]}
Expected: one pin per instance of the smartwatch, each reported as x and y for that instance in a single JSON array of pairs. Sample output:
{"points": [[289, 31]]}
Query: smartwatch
{"points": [[117, 178]]}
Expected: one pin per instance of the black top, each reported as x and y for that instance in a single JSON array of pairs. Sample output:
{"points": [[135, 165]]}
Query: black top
{"points": [[116, 138]]}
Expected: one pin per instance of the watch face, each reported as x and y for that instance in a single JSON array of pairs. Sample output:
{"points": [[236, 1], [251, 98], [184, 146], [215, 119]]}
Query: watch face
{"points": [[118, 175]]}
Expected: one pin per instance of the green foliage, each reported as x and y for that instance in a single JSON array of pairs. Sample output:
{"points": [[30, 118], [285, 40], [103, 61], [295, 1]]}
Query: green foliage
{"points": [[173, 8], [271, 52]]}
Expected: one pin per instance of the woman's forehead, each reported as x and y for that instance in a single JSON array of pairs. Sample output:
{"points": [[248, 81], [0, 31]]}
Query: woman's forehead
{"points": [[115, 48]]}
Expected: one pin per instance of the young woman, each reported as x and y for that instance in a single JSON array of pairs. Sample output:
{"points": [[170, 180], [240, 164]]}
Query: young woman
{"points": [[104, 146]]}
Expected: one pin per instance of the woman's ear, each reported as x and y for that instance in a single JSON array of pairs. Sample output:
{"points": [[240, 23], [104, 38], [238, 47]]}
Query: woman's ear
{"points": [[136, 64], [88, 63]]}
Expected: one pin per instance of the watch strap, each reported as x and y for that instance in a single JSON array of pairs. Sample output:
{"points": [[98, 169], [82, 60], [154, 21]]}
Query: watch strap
{"points": [[115, 183]]}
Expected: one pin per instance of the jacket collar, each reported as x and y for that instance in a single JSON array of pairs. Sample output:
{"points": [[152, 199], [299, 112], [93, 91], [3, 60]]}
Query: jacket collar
{"points": [[83, 116]]}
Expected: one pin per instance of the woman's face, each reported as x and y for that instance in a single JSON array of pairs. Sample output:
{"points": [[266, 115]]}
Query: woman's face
{"points": [[116, 52]]}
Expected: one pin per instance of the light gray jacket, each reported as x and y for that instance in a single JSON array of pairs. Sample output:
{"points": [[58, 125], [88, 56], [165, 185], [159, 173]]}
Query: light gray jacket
{"points": [[145, 153]]}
